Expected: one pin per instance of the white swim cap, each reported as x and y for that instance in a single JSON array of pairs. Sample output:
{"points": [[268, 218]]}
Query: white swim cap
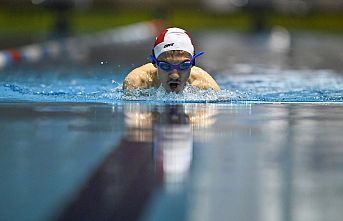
{"points": [[173, 39]]}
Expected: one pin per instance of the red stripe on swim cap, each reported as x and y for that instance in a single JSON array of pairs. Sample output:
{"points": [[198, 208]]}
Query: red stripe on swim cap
{"points": [[189, 36], [160, 38]]}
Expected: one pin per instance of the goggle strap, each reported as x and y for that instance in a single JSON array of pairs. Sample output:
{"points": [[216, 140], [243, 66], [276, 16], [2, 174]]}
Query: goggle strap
{"points": [[197, 55], [154, 60]]}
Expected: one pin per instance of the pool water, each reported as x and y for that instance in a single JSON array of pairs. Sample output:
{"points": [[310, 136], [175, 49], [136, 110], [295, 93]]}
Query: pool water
{"points": [[139, 161], [104, 85]]}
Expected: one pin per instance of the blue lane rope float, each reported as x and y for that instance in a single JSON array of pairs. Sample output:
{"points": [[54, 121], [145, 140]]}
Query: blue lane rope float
{"points": [[72, 45]]}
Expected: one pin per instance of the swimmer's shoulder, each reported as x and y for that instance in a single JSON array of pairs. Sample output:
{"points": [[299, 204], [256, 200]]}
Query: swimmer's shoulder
{"points": [[142, 77], [201, 79]]}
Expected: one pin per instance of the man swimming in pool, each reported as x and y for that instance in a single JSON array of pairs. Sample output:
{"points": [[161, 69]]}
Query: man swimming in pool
{"points": [[172, 66]]}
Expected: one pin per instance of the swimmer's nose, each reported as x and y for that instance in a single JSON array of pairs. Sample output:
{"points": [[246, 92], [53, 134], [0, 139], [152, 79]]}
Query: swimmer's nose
{"points": [[174, 75]]}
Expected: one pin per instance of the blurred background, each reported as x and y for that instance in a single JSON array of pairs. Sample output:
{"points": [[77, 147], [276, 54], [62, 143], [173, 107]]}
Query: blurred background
{"points": [[24, 21], [305, 34]]}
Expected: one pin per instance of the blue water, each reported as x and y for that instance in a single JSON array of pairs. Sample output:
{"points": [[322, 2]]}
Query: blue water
{"points": [[103, 84]]}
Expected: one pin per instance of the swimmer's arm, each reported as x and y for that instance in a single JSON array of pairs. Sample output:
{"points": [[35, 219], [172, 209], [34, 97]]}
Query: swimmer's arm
{"points": [[141, 78], [201, 79]]}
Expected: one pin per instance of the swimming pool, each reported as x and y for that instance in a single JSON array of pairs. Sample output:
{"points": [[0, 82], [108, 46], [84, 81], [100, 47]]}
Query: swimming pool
{"points": [[267, 147]]}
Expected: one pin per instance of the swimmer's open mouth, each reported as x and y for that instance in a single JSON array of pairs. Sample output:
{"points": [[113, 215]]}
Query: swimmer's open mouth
{"points": [[173, 85]]}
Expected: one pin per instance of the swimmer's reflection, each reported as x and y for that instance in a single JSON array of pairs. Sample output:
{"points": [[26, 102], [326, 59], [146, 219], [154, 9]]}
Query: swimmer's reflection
{"points": [[141, 120], [173, 145], [170, 129], [156, 139]]}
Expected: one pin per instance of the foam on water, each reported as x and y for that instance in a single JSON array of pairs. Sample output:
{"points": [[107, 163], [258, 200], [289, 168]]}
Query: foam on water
{"points": [[189, 95], [272, 85], [259, 86]]}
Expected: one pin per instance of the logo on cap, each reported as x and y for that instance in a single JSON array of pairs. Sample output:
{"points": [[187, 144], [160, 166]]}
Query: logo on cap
{"points": [[168, 45]]}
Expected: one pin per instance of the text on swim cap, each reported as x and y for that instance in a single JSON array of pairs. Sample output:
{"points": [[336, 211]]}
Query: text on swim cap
{"points": [[168, 45]]}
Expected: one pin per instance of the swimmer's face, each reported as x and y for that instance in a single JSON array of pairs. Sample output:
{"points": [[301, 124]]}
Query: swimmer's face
{"points": [[174, 80]]}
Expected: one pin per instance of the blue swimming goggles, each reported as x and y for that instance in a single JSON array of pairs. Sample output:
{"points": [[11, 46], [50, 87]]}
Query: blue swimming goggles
{"points": [[181, 67]]}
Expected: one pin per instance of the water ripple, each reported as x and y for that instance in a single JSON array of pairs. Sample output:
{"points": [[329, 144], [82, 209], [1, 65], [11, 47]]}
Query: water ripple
{"points": [[262, 86]]}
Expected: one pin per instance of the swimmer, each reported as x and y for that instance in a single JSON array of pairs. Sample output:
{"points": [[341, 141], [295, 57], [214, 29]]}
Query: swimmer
{"points": [[172, 66]]}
